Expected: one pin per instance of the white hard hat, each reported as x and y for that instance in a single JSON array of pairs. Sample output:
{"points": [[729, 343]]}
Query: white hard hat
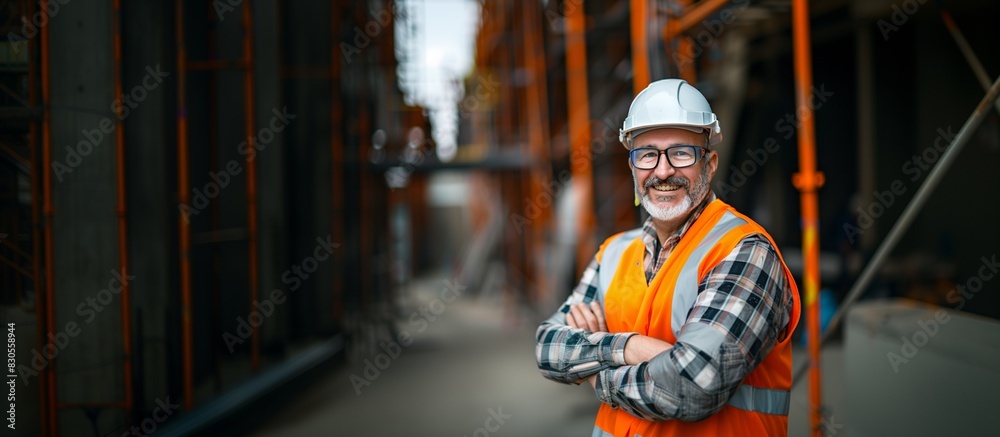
{"points": [[669, 103]]}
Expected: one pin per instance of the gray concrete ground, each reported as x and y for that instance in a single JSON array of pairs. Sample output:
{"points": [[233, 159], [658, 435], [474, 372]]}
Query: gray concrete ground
{"points": [[466, 371]]}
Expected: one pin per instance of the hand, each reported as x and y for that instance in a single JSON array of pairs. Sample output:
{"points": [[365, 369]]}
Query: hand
{"points": [[593, 381], [589, 317], [640, 348]]}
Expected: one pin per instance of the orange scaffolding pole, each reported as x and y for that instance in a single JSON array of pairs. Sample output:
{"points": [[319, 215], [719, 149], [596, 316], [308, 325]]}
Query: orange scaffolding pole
{"points": [[36, 214], [48, 375], [808, 181], [685, 46], [251, 127], [536, 113], [184, 234], [121, 211], [638, 9], [579, 130], [692, 15]]}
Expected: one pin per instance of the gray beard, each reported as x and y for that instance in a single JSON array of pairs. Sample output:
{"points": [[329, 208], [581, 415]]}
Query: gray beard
{"points": [[694, 195]]}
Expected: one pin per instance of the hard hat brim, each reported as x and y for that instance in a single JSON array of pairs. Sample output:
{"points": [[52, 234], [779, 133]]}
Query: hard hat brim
{"points": [[627, 137]]}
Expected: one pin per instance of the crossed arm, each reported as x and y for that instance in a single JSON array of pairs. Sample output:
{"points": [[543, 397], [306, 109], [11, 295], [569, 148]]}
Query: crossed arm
{"points": [[638, 348], [741, 311]]}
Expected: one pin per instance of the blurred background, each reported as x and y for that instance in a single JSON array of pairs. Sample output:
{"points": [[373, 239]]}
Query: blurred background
{"points": [[308, 217]]}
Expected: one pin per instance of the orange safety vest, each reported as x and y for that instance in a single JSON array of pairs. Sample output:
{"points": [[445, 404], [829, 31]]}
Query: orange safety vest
{"points": [[760, 405]]}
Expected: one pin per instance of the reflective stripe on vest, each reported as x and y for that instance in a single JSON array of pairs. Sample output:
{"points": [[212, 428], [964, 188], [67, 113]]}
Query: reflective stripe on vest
{"points": [[761, 400], [748, 398], [612, 255], [598, 432], [686, 288]]}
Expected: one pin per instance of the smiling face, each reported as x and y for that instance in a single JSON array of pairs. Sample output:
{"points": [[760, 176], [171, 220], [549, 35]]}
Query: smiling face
{"points": [[669, 194]]}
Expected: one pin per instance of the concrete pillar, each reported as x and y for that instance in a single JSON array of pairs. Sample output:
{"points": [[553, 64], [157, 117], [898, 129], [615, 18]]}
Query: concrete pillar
{"points": [[85, 255]]}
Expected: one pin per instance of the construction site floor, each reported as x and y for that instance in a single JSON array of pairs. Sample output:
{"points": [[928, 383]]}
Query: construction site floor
{"points": [[470, 371]]}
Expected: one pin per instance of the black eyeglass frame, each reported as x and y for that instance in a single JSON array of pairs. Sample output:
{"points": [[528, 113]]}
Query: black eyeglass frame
{"points": [[698, 157]]}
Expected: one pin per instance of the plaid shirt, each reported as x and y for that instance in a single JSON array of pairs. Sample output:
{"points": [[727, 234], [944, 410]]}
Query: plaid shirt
{"points": [[746, 302]]}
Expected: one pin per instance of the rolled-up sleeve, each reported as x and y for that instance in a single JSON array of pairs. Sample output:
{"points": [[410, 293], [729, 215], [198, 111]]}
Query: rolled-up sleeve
{"points": [[742, 310]]}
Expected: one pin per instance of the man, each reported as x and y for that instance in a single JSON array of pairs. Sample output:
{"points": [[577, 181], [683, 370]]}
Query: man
{"points": [[682, 326]]}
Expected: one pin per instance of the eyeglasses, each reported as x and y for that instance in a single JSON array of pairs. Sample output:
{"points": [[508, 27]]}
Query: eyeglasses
{"points": [[647, 158]]}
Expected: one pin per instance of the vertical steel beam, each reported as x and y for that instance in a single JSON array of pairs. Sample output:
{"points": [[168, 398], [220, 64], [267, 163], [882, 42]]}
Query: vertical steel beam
{"points": [[28, 8], [536, 113], [251, 132], [638, 10], [122, 213], [866, 116], [581, 161], [184, 234], [808, 181], [49, 374]]}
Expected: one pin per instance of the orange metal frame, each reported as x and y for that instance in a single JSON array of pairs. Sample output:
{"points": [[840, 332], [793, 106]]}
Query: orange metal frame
{"points": [[251, 128], [579, 129], [808, 181], [45, 309], [537, 113], [184, 196], [691, 16], [638, 9], [122, 217], [49, 428]]}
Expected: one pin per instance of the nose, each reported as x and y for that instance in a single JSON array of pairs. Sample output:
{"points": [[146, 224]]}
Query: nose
{"points": [[663, 168]]}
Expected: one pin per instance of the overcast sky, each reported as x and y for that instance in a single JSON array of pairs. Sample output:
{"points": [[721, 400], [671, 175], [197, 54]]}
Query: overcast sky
{"points": [[438, 46]]}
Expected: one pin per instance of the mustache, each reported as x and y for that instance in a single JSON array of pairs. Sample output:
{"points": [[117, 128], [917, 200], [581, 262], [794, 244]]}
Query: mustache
{"points": [[673, 180]]}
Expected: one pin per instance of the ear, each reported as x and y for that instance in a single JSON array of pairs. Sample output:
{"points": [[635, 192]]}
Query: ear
{"points": [[712, 163]]}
